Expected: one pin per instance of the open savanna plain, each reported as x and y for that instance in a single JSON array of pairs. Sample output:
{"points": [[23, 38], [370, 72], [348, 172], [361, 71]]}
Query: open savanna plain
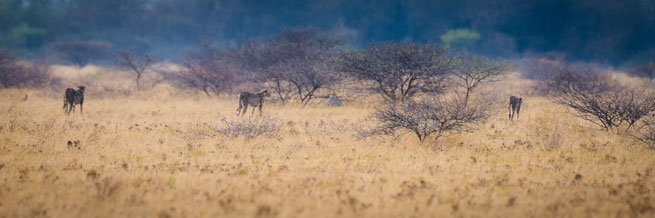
{"points": [[163, 153]]}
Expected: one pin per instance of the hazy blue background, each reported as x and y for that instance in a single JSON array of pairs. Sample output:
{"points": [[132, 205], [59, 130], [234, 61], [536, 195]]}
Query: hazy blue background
{"points": [[605, 31]]}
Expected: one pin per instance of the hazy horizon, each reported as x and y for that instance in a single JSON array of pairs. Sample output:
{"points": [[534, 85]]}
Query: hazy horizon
{"points": [[606, 31]]}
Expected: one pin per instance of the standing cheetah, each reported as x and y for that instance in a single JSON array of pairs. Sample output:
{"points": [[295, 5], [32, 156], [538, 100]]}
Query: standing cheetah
{"points": [[514, 107], [73, 97], [252, 99]]}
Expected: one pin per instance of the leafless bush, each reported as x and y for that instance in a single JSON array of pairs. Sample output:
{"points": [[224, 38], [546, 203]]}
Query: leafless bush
{"points": [[647, 133], [472, 70], [293, 63], [308, 74], [549, 139], [135, 63], [426, 118], [598, 98], [249, 128], [635, 104], [207, 72], [15, 74], [398, 70], [80, 53], [578, 79], [258, 58], [549, 133]]}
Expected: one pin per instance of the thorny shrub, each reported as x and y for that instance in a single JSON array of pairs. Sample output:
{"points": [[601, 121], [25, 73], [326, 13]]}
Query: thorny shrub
{"points": [[595, 96], [294, 63], [14, 74], [398, 71], [206, 72], [428, 118], [548, 132], [646, 134], [249, 128]]}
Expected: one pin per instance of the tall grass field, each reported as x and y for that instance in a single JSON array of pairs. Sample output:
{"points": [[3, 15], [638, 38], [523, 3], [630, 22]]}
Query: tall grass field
{"points": [[165, 152]]}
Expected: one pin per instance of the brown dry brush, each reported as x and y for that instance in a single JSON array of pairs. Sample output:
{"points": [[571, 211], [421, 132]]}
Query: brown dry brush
{"points": [[308, 74], [646, 133], [135, 63], [249, 128], [257, 58], [428, 118], [636, 104], [398, 70], [207, 71], [15, 74], [293, 63], [470, 71], [595, 96]]}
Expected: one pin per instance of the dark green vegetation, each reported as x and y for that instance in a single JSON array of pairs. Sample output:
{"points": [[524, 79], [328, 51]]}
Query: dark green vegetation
{"points": [[605, 31]]}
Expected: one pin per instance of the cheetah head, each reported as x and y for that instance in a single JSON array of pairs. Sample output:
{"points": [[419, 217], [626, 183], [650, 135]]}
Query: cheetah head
{"points": [[264, 93]]}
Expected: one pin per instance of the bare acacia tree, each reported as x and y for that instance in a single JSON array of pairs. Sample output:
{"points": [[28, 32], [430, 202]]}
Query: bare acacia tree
{"points": [[596, 97], [426, 118], [398, 71], [137, 64], [308, 74], [635, 105], [647, 133], [258, 58], [207, 71], [292, 63], [469, 71]]}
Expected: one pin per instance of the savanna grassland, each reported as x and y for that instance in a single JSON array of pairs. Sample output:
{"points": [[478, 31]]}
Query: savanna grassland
{"points": [[161, 153]]}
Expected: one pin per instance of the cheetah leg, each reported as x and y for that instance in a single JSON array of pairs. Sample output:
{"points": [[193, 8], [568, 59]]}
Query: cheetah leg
{"points": [[260, 109], [511, 117], [245, 109], [517, 113]]}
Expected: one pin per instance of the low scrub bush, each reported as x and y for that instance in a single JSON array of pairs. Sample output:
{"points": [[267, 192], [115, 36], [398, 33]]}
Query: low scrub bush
{"points": [[646, 134], [20, 75], [428, 118], [249, 128], [595, 96]]}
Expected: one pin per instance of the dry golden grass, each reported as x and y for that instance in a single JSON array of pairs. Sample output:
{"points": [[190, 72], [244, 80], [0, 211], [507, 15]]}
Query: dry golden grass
{"points": [[158, 155]]}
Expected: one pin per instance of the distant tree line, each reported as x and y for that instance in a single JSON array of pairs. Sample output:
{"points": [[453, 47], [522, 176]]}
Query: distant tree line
{"points": [[605, 31]]}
